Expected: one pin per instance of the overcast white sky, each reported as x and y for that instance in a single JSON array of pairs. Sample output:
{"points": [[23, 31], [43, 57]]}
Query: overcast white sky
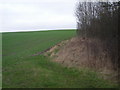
{"points": [[19, 15]]}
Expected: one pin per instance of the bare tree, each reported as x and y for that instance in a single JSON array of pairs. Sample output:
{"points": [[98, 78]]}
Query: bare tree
{"points": [[100, 20]]}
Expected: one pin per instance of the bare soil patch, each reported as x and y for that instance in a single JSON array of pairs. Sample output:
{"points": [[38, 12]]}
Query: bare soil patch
{"points": [[81, 52]]}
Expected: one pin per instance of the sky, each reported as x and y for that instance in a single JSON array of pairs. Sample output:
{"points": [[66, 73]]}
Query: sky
{"points": [[30, 15]]}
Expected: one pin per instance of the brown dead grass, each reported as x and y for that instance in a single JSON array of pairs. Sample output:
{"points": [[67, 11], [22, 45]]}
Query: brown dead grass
{"points": [[79, 52]]}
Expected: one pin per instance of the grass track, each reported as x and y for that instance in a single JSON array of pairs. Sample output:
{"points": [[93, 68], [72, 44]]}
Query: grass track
{"points": [[20, 69]]}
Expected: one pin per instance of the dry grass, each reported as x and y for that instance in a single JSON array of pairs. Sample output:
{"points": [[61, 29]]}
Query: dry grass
{"points": [[90, 53]]}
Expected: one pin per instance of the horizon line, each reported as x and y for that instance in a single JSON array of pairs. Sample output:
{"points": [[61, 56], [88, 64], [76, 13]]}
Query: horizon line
{"points": [[37, 30]]}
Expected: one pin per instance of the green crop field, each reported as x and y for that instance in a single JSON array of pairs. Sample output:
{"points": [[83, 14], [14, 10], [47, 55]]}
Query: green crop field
{"points": [[21, 69]]}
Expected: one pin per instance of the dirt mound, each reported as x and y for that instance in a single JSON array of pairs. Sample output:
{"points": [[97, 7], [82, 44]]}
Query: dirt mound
{"points": [[80, 52]]}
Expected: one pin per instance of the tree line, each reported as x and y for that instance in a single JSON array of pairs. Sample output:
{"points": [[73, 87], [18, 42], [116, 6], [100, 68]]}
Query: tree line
{"points": [[100, 20]]}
